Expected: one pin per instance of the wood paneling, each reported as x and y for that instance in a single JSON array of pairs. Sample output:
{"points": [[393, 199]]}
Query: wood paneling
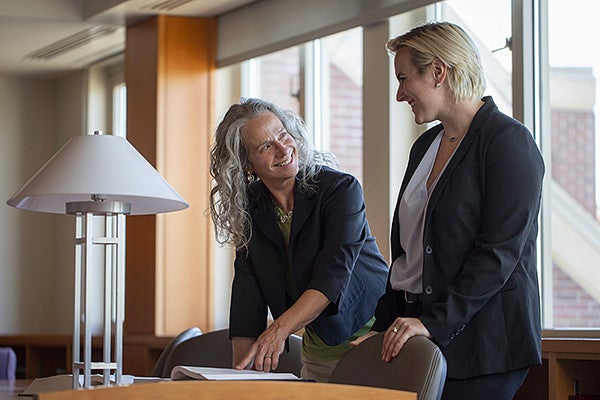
{"points": [[566, 363], [170, 62]]}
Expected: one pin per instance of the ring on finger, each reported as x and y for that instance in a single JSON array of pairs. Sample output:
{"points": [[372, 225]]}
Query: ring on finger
{"points": [[395, 329]]}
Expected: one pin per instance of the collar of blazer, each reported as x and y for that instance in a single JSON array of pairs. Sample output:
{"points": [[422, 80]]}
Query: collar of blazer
{"points": [[261, 210], [423, 143]]}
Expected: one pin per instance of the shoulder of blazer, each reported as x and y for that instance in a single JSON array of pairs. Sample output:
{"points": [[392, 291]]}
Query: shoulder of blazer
{"points": [[489, 121], [328, 174], [491, 127], [326, 178], [488, 125], [306, 199]]}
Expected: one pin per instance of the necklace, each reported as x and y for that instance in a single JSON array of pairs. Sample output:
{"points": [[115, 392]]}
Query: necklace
{"points": [[282, 216], [454, 139]]}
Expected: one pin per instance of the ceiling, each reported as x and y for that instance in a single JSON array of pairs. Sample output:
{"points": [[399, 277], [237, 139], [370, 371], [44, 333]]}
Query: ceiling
{"points": [[45, 37]]}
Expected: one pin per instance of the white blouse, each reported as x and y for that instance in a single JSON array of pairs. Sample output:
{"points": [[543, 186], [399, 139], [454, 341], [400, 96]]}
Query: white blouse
{"points": [[407, 270]]}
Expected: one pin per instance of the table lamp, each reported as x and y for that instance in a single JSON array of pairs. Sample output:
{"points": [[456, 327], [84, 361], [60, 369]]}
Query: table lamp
{"points": [[98, 177]]}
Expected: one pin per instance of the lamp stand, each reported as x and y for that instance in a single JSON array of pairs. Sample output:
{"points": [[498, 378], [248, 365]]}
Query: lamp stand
{"points": [[113, 242]]}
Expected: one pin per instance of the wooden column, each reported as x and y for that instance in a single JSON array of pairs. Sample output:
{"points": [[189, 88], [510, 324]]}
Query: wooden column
{"points": [[169, 65]]}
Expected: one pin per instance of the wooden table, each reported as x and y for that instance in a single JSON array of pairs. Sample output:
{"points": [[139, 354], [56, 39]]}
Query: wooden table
{"points": [[224, 390], [9, 390]]}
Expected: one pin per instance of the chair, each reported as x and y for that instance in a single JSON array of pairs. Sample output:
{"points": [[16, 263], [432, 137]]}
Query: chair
{"points": [[8, 363], [419, 367], [183, 336], [213, 349]]}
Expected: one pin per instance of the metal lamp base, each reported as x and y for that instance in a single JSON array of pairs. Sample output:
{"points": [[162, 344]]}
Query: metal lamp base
{"points": [[113, 243]]}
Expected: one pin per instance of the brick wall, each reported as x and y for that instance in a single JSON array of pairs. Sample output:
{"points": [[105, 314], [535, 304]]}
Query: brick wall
{"points": [[279, 78], [573, 168], [346, 122], [573, 307], [573, 155]]}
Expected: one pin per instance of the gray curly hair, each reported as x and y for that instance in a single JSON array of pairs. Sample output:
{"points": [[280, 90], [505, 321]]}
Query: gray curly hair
{"points": [[229, 164]]}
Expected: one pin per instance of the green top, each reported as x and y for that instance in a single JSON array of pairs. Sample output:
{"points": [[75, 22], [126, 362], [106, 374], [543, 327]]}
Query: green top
{"points": [[314, 348], [312, 345]]}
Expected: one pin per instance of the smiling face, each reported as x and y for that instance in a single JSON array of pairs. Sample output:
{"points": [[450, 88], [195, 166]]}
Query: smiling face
{"points": [[418, 89], [271, 149]]}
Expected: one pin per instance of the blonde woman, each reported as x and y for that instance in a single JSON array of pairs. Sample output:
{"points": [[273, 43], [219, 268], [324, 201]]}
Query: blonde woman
{"points": [[464, 231]]}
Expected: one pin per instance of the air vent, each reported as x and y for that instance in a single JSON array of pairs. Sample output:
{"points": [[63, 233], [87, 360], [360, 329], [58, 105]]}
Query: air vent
{"points": [[83, 47], [167, 5]]}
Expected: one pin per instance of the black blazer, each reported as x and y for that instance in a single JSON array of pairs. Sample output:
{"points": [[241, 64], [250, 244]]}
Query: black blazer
{"points": [[331, 249], [480, 285]]}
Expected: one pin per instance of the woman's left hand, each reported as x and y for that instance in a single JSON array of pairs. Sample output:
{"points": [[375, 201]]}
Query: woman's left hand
{"points": [[398, 333]]}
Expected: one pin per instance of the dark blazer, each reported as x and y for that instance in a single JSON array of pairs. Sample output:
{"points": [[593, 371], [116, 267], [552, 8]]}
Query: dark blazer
{"points": [[480, 285], [331, 249]]}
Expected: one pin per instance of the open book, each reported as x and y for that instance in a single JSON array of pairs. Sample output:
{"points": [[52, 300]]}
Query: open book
{"points": [[180, 372]]}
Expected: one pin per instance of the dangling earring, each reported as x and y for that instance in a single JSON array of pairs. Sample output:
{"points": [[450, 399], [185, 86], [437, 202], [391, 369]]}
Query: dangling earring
{"points": [[437, 84], [250, 177]]}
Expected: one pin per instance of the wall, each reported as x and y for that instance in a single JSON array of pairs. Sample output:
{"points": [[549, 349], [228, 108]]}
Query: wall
{"points": [[38, 115], [71, 112]]}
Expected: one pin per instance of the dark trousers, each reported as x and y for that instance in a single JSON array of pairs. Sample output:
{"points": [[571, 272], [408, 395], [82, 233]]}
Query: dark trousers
{"points": [[502, 386]]}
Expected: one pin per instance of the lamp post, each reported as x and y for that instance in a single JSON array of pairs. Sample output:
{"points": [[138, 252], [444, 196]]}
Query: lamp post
{"points": [[98, 177]]}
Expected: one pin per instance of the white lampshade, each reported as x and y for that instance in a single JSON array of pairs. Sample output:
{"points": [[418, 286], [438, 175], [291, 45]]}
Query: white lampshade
{"points": [[98, 164]]}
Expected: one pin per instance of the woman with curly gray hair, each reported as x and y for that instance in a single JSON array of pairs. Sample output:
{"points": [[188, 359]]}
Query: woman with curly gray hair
{"points": [[304, 250], [230, 166]]}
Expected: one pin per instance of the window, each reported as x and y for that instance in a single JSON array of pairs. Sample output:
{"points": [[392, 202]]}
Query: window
{"points": [[108, 97], [275, 78], [119, 109], [321, 81], [571, 278], [341, 82]]}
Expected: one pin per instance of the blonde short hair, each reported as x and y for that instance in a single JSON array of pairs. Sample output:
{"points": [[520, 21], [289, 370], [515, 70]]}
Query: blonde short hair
{"points": [[450, 44]]}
